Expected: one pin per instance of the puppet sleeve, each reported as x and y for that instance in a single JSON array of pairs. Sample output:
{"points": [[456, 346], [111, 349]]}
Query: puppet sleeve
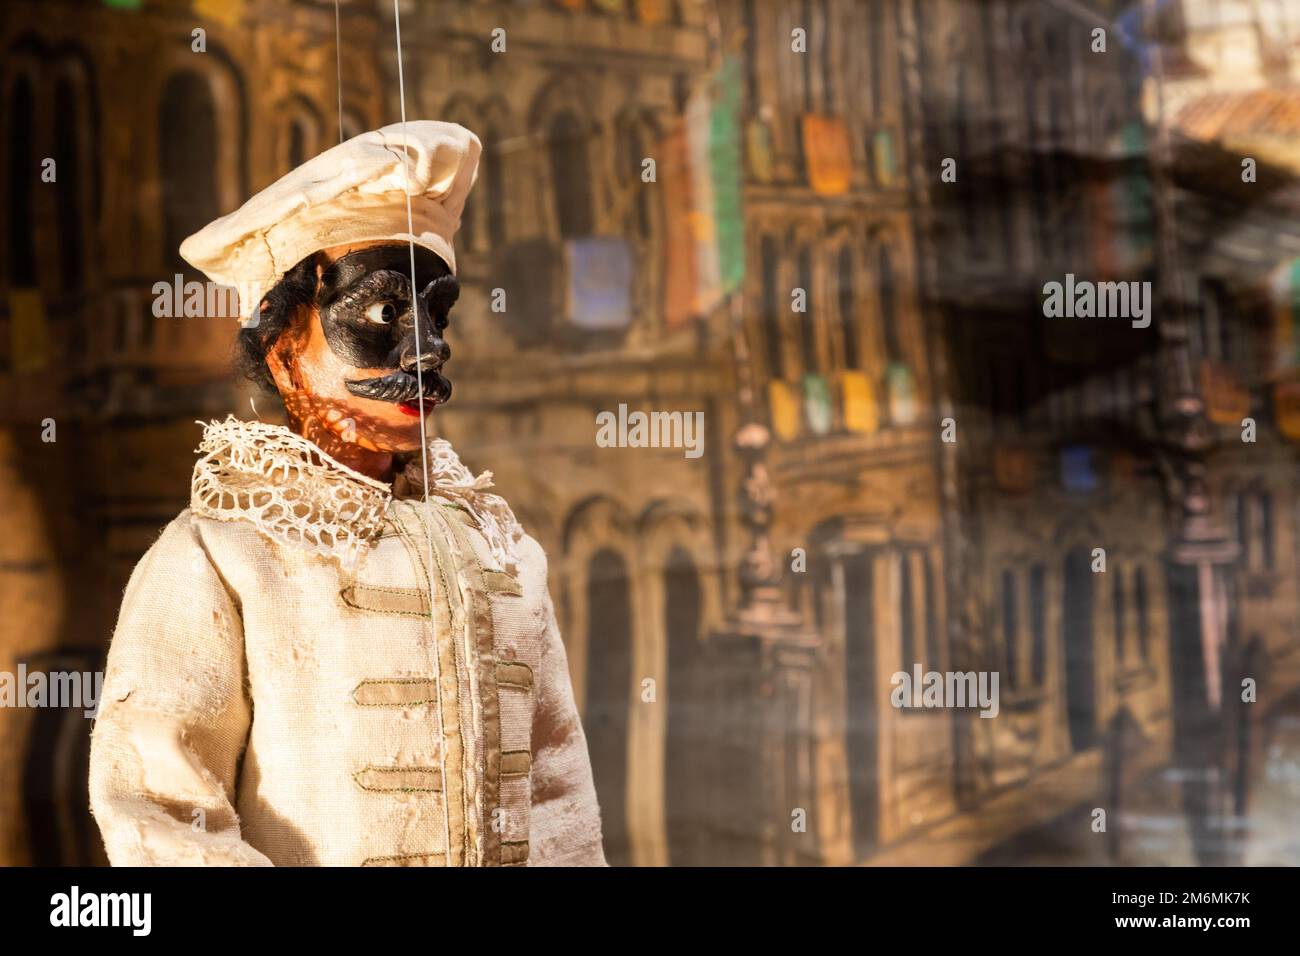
{"points": [[565, 824], [173, 716]]}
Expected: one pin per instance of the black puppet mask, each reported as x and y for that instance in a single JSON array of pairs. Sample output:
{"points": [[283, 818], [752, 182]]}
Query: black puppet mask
{"points": [[369, 321]]}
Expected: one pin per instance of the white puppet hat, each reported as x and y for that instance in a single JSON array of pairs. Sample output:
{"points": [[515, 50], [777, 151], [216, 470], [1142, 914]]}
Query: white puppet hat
{"points": [[354, 192]]}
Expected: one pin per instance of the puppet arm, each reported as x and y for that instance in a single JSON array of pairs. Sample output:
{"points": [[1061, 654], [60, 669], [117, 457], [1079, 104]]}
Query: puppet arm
{"points": [[173, 716], [565, 825]]}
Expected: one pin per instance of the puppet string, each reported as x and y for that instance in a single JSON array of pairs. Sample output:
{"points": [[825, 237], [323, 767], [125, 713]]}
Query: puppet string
{"points": [[338, 66], [424, 444]]}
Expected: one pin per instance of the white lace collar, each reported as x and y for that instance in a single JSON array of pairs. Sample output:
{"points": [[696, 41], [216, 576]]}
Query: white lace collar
{"points": [[295, 493]]}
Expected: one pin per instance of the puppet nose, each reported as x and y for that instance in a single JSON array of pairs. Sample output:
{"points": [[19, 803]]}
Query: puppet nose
{"points": [[434, 351]]}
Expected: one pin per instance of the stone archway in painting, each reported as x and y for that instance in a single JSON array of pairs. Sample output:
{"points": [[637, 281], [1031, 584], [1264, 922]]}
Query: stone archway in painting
{"points": [[597, 547], [844, 582], [672, 756], [1078, 637], [607, 710], [687, 717]]}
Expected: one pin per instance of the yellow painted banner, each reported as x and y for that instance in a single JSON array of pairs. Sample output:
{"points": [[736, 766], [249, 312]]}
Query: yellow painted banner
{"points": [[827, 154], [651, 11], [783, 405], [758, 147], [225, 12], [858, 401]]}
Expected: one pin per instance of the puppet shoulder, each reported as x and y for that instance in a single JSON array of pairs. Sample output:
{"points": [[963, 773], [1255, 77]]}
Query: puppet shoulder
{"points": [[194, 546]]}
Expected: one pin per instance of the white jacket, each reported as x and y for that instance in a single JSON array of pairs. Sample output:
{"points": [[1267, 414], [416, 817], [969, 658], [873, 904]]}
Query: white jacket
{"points": [[280, 691]]}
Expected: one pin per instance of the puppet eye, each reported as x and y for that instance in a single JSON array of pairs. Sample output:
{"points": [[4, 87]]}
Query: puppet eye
{"points": [[381, 313]]}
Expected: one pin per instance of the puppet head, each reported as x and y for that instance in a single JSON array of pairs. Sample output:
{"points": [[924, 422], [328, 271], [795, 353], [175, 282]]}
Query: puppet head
{"points": [[337, 338], [322, 260]]}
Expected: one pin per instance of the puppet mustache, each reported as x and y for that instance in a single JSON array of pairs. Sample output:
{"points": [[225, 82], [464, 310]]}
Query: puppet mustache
{"points": [[400, 387]]}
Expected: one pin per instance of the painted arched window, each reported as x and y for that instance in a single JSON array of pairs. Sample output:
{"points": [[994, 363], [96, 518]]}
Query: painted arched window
{"points": [[876, 59], [1143, 612], [1264, 504], [807, 320], [848, 308], [906, 612], [1010, 627], [467, 236], [854, 585], [1119, 610], [888, 306], [304, 141], [752, 50], [494, 178], [634, 153], [187, 139], [1239, 503], [68, 198], [794, 72], [297, 146], [24, 174], [684, 758], [769, 256], [1038, 622], [571, 176], [352, 126], [1077, 641], [826, 59], [609, 680], [931, 614], [1254, 507], [968, 198], [806, 62]]}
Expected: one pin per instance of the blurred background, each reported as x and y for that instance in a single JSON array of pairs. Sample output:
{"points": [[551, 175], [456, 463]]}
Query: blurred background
{"points": [[910, 173]]}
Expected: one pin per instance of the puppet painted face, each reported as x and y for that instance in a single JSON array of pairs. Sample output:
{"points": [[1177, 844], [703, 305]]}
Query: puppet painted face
{"points": [[350, 371]]}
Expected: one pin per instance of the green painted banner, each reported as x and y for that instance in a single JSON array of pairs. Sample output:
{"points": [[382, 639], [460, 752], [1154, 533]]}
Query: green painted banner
{"points": [[725, 145]]}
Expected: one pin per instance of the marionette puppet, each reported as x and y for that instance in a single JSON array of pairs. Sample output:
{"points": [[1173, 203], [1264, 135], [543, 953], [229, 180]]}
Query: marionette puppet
{"points": [[343, 652]]}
